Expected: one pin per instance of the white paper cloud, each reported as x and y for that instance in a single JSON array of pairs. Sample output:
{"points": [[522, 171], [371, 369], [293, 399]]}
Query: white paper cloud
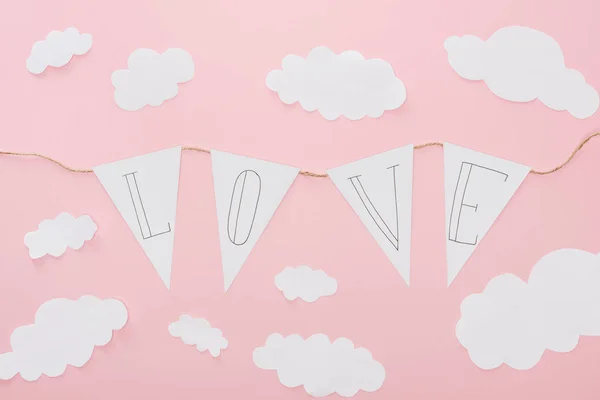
{"points": [[53, 236], [151, 78], [521, 64], [198, 332], [514, 322], [306, 283], [65, 332], [57, 49], [322, 367], [344, 84]]}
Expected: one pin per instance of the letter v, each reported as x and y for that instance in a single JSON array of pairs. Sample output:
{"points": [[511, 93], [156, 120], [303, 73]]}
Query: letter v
{"points": [[379, 190]]}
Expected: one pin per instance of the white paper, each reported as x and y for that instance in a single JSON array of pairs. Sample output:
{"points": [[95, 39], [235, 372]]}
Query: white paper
{"points": [[198, 332], [57, 49], [54, 236], [320, 366], [513, 322], [151, 77], [64, 333], [478, 187], [306, 283], [521, 64], [247, 192], [338, 84], [379, 189], [144, 190]]}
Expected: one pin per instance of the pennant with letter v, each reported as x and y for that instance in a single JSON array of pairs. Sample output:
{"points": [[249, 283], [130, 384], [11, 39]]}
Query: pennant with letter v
{"points": [[144, 189], [379, 189], [478, 187], [247, 192]]}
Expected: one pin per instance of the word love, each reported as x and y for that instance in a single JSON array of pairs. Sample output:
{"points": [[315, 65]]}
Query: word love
{"points": [[248, 191]]}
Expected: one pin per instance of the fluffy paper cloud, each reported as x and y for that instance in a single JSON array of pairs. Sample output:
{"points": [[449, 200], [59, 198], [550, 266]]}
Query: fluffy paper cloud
{"points": [[321, 366], [57, 49], [65, 332], [514, 322], [198, 332], [306, 283], [522, 64], [338, 84], [55, 235], [151, 78]]}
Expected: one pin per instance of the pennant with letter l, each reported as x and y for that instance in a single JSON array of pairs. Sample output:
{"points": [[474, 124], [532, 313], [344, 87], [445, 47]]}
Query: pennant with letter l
{"points": [[144, 189], [247, 192], [477, 188], [379, 189]]}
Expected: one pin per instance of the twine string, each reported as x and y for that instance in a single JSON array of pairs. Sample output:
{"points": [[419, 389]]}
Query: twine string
{"points": [[305, 173]]}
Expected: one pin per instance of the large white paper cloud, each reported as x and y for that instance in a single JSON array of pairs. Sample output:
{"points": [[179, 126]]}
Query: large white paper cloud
{"points": [[514, 322], [198, 332], [151, 78], [53, 236], [57, 49], [338, 84], [522, 64], [65, 332], [320, 366], [306, 283]]}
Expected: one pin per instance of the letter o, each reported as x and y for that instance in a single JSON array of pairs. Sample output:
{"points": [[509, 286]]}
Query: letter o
{"points": [[242, 209]]}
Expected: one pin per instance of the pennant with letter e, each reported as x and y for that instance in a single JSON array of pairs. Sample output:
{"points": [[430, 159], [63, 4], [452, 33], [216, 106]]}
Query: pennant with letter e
{"points": [[247, 192], [379, 189], [144, 189], [478, 187]]}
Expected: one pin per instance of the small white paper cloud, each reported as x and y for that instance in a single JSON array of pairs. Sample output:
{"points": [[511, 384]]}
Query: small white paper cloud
{"points": [[198, 332], [151, 78], [521, 64], [514, 322], [306, 283], [320, 366], [65, 332], [53, 236], [338, 84], [57, 49]]}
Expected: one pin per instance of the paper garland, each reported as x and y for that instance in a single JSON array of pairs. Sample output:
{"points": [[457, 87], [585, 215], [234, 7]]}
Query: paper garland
{"points": [[248, 191]]}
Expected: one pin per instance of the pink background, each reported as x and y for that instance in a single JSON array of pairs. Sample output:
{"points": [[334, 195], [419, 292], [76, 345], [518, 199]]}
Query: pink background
{"points": [[69, 113]]}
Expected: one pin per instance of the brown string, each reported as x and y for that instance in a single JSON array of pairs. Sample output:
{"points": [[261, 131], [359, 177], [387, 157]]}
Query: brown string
{"points": [[13, 153], [305, 173], [568, 160]]}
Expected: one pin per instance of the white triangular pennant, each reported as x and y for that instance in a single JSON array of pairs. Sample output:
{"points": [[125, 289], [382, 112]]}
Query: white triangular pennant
{"points": [[379, 189], [144, 190], [478, 187], [247, 192]]}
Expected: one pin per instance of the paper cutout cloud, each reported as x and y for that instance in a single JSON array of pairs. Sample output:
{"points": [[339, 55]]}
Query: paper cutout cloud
{"points": [[57, 49], [198, 332], [321, 366], [521, 64], [151, 78], [338, 84], [65, 332], [514, 322], [306, 283], [53, 236]]}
